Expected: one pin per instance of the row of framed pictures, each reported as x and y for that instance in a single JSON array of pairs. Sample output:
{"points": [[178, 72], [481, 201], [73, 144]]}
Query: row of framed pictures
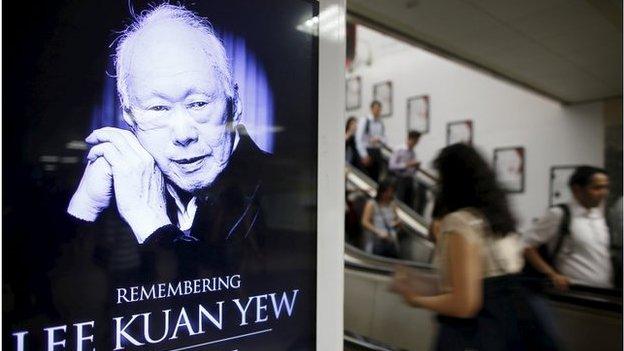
{"points": [[509, 162], [418, 110], [382, 92], [510, 167], [417, 106]]}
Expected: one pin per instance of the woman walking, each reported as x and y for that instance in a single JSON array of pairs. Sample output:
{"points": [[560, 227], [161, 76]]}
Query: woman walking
{"points": [[480, 305]]}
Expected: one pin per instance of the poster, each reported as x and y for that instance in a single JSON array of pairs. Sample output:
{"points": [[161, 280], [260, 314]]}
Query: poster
{"points": [[418, 114], [459, 132], [141, 209], [382, 92], [353, 93], [560, 192], [509, 164]]}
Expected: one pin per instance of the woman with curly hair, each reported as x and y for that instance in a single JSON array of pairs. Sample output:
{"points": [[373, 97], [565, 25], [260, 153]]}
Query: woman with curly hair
{"points": [[478, 256]]}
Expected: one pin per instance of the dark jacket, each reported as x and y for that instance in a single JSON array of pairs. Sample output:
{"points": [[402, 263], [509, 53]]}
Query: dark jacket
{"points": [[228, 227]]}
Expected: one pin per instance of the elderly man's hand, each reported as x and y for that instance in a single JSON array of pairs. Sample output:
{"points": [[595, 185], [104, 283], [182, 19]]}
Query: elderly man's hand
{"points": [[94, 191], [137, 182]]}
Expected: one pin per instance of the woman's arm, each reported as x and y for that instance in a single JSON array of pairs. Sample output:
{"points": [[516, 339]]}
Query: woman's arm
{"points": [[367, 220], [466, 278]]}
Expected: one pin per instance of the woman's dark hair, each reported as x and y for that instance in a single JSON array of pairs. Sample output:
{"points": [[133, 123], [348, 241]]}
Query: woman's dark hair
{"points": [[582, 176], [349, 120], [383, 186], [466, 180]]}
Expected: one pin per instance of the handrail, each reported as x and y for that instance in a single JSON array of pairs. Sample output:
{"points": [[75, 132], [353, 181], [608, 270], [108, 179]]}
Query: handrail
{"points": [[425, 173], [382, 264], [364, 343], [407, 215], [582, 296]]}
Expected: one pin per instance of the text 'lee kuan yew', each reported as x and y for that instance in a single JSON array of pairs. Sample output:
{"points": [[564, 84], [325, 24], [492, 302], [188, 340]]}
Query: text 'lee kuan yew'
{"points": [[136, 330]]}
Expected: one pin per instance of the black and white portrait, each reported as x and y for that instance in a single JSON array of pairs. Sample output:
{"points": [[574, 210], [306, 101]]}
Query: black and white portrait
{"points": [[183, 108], [162, 143]]}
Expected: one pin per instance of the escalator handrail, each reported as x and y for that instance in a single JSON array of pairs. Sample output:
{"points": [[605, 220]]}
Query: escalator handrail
{"points": [[388, 261], [577, 295], [365, 343], [409, 212]]}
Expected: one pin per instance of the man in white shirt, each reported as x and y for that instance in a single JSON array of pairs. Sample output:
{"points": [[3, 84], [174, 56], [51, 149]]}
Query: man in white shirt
{"points": [[403, 165], [370, 136], [584, 254]]}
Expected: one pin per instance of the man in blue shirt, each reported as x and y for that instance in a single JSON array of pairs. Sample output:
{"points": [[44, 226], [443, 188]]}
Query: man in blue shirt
{"points": [[370, 137]]}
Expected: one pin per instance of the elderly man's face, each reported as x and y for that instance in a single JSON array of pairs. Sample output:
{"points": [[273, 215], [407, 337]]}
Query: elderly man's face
{"points": [[178, 106]]}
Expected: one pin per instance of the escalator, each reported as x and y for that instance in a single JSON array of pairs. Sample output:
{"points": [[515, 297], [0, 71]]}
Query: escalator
{"points": [[370, 309], [585, 318], [414, 243]]}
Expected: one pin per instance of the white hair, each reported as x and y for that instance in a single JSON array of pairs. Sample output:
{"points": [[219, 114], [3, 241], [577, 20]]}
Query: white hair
{"points": [[212, 46]]}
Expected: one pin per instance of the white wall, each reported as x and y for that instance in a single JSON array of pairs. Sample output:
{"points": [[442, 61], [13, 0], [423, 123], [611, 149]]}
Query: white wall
{"points": [[503, 114], [330, 221]]}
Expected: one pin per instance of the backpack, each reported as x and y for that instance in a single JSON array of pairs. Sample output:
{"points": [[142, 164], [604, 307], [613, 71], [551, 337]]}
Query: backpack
{"points": [[532, 276], [562, 233]]}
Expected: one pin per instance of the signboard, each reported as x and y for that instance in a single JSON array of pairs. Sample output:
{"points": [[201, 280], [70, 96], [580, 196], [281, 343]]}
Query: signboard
{"points": [[162, 190]]}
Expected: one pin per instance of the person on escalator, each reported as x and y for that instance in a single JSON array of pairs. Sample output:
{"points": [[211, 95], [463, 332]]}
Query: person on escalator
{"points": [[369, 139], [481, 303], [572, 242], [403, 165], [380, 223], [351, 154]]}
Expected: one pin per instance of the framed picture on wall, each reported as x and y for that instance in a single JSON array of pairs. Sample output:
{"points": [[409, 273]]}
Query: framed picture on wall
{"points": [[509, 165], [559, 192], [382, 92], [353, 95], [459, 132], [418, 113]]}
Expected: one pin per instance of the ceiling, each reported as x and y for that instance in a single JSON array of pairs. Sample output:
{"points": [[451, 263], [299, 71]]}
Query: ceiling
{"points": [[569, 50]]}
